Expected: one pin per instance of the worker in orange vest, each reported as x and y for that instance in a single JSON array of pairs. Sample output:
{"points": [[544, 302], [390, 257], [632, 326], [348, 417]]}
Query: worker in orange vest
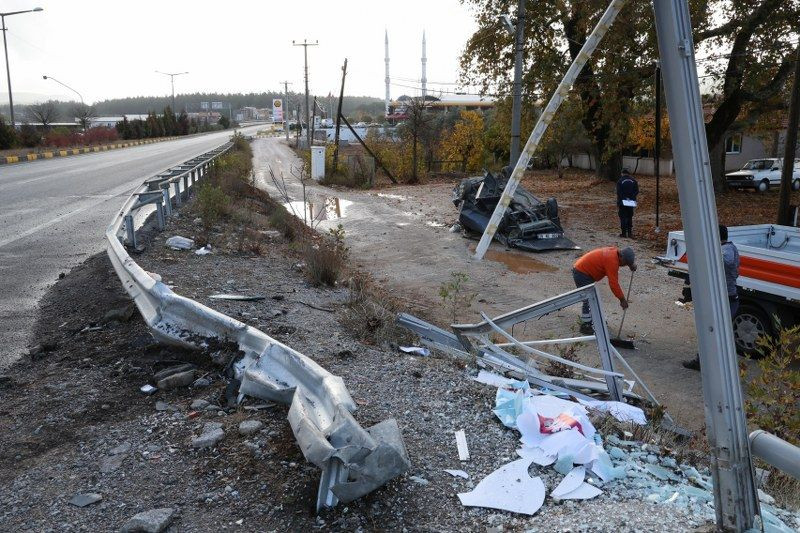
{"points": [[597, 264]]}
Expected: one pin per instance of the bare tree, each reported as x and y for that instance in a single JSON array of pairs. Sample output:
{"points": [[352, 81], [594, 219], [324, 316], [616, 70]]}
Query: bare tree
{"points": [[84, 113], [44, 112], [416, 125]]}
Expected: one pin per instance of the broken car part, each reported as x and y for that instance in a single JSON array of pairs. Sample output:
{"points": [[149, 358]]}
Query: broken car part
{"points": [[528, 223]]}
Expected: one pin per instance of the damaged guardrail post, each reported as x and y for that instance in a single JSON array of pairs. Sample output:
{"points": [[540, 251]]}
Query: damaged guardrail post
{"points": [[167, 201], [735, 498], [130, 231], [186, 186], [177, 184]]}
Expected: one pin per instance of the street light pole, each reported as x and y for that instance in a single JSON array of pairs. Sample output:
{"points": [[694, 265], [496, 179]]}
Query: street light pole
{"points": [[45, 77], [5, 48], [172, 83], [516, 107], [305, 44]]}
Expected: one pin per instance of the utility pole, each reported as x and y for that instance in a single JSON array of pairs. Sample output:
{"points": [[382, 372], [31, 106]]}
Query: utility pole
{"points": [[657, 154], [286, 109], [516, 108], [338, 120], [172, 83], [305, 44], [4, 29], [787, 172], [735, 498]]}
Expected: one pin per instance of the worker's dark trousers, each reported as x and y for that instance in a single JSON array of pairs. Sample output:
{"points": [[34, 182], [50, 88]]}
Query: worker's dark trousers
{"points": [[733, 300], [582, 280], [626, 220]]}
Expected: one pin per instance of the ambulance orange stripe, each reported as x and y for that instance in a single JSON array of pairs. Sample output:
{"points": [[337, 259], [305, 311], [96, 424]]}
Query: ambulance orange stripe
{"points": [[770, 271]]}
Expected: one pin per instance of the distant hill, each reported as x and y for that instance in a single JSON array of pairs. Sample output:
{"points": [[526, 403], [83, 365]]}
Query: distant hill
{"points": [[356, 107]]}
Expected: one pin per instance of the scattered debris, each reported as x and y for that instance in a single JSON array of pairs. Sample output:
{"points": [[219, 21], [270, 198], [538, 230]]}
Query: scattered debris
{"points": [[148, 389], [457, 473], [179, 243], [528, 223], [205, 250], [153, 521], [175, 377], [419, 480], [509, 488], [416, 350], [198, 405], [461, 444], [238, 297], [88, 498]]}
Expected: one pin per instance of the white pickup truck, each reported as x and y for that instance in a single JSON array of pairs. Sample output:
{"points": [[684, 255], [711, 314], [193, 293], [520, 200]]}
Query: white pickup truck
{"points": [[769, 278], [761, 174]]}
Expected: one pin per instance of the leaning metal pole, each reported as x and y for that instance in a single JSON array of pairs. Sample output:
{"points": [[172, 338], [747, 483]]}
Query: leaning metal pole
{"points": [[544, 120], [735, 501]]}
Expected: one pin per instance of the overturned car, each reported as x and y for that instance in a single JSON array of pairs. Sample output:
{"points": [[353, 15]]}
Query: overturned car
{"points": [[528, 223]]}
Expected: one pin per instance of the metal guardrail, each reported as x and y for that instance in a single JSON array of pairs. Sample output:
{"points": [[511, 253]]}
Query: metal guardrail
{"points": [[354, 460]]}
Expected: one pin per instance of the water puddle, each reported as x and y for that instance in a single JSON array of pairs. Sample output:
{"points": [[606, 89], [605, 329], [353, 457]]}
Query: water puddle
{"points": [[516, 262], [319, 208], [392, 196]]}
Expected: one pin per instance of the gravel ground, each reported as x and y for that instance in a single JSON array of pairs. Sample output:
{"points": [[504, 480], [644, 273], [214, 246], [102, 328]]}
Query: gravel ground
{"points": [[77, 423]]}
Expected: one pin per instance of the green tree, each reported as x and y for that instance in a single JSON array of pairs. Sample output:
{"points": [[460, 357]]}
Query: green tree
{"points": [[8, 137], [224, 122], [464, 142]]}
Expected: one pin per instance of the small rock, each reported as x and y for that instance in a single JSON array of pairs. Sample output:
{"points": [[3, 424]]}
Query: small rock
{"points": [[212, 434], [111, 463], [182, 379], [616, 453], [162, 406], [125, 447], [199, 383], [122, 314], [199, 405], [153, 521], [249, 427], [88, 498], [420, 480], [148, 389]]}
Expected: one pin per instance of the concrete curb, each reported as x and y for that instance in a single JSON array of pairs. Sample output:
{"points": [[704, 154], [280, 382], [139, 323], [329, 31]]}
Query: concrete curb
{"points": [[9, 159]]}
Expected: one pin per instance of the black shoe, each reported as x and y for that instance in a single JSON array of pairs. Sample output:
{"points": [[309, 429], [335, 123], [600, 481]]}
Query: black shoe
{"points": [[587, 328], [692, 364], [622, 235]]}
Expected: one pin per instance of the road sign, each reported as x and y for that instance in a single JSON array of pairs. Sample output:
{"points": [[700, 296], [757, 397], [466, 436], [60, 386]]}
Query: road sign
{"points": [[277, 110]]}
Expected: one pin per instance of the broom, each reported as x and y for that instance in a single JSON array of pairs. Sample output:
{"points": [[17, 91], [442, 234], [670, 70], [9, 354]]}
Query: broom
{"points": [[618, 341]]}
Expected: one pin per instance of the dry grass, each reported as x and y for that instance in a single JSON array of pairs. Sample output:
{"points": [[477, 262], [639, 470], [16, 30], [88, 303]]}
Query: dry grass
{"points": [[324, 264], [371, 314]]}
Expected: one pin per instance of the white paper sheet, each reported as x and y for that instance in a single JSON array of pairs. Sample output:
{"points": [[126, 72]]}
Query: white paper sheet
{"points": [[509, 488], [571, 481], [457, 473]]}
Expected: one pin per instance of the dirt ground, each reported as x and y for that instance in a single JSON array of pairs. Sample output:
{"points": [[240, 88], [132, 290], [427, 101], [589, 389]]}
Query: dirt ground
{"points": [[401, 235], [76, 422]]}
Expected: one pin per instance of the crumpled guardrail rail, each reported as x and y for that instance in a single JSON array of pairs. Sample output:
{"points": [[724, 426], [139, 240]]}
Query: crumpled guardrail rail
{"points": [[354, 460]]}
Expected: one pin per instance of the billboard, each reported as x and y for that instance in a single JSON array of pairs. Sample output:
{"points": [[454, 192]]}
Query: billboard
{"points": [[216, 105], [203, 105], [277, 110]]}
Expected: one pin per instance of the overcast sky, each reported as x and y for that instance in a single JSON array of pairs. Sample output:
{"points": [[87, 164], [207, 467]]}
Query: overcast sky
{"points": [[107, 49]]}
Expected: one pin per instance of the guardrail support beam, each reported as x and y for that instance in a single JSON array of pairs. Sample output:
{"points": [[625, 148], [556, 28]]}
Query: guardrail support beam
{"points": [[177, 184], [130, 231], [162, 223], [167, 201]]}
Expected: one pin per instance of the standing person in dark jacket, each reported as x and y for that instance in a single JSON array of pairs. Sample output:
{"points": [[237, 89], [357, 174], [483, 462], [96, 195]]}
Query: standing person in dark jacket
{"points": [[730, 262], [627, 191]]}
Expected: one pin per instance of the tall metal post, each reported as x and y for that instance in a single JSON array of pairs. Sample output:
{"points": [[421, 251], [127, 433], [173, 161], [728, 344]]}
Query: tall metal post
{"points": [[8, 72], [305, 44], [657, 151], [338, 120], [516, 108], [286, 109], [735, 499], [787, 172]]}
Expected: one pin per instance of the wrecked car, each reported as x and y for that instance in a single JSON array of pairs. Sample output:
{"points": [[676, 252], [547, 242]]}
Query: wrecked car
{"points": [[528, 224]]}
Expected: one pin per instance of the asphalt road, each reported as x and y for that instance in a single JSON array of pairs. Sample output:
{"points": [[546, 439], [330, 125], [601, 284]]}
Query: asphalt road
{"points": [[53, 215]]}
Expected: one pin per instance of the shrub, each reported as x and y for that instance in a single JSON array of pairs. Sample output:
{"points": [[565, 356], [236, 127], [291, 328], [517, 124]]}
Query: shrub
{"points": [[8, 137], [29, 137], [774, 394], [454, 295], [281, 220], [212, 203], [324, 264]]}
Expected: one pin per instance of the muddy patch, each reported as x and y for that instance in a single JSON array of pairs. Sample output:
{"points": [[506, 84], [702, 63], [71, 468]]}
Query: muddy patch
{"points": [[318, 208], [516, 262]]}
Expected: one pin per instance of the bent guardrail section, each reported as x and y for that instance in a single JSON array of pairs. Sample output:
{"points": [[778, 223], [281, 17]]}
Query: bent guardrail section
{"points": [[354, 460]]}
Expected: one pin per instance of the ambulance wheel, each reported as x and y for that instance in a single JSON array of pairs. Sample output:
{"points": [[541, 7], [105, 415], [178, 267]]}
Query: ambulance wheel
{"points": [[749, 324]]}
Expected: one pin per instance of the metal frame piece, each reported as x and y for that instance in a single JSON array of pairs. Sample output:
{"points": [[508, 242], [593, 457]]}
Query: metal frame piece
{"points": [[545, 118], [354, 460], [735, 498]]}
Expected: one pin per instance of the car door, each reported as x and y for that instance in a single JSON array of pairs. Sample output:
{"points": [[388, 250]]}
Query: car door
{"points": [[775, 172]]}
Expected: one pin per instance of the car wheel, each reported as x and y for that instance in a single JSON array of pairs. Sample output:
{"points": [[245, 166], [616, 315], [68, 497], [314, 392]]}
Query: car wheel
{"points": [[796, 185], [749, 324], [763, 186]]}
